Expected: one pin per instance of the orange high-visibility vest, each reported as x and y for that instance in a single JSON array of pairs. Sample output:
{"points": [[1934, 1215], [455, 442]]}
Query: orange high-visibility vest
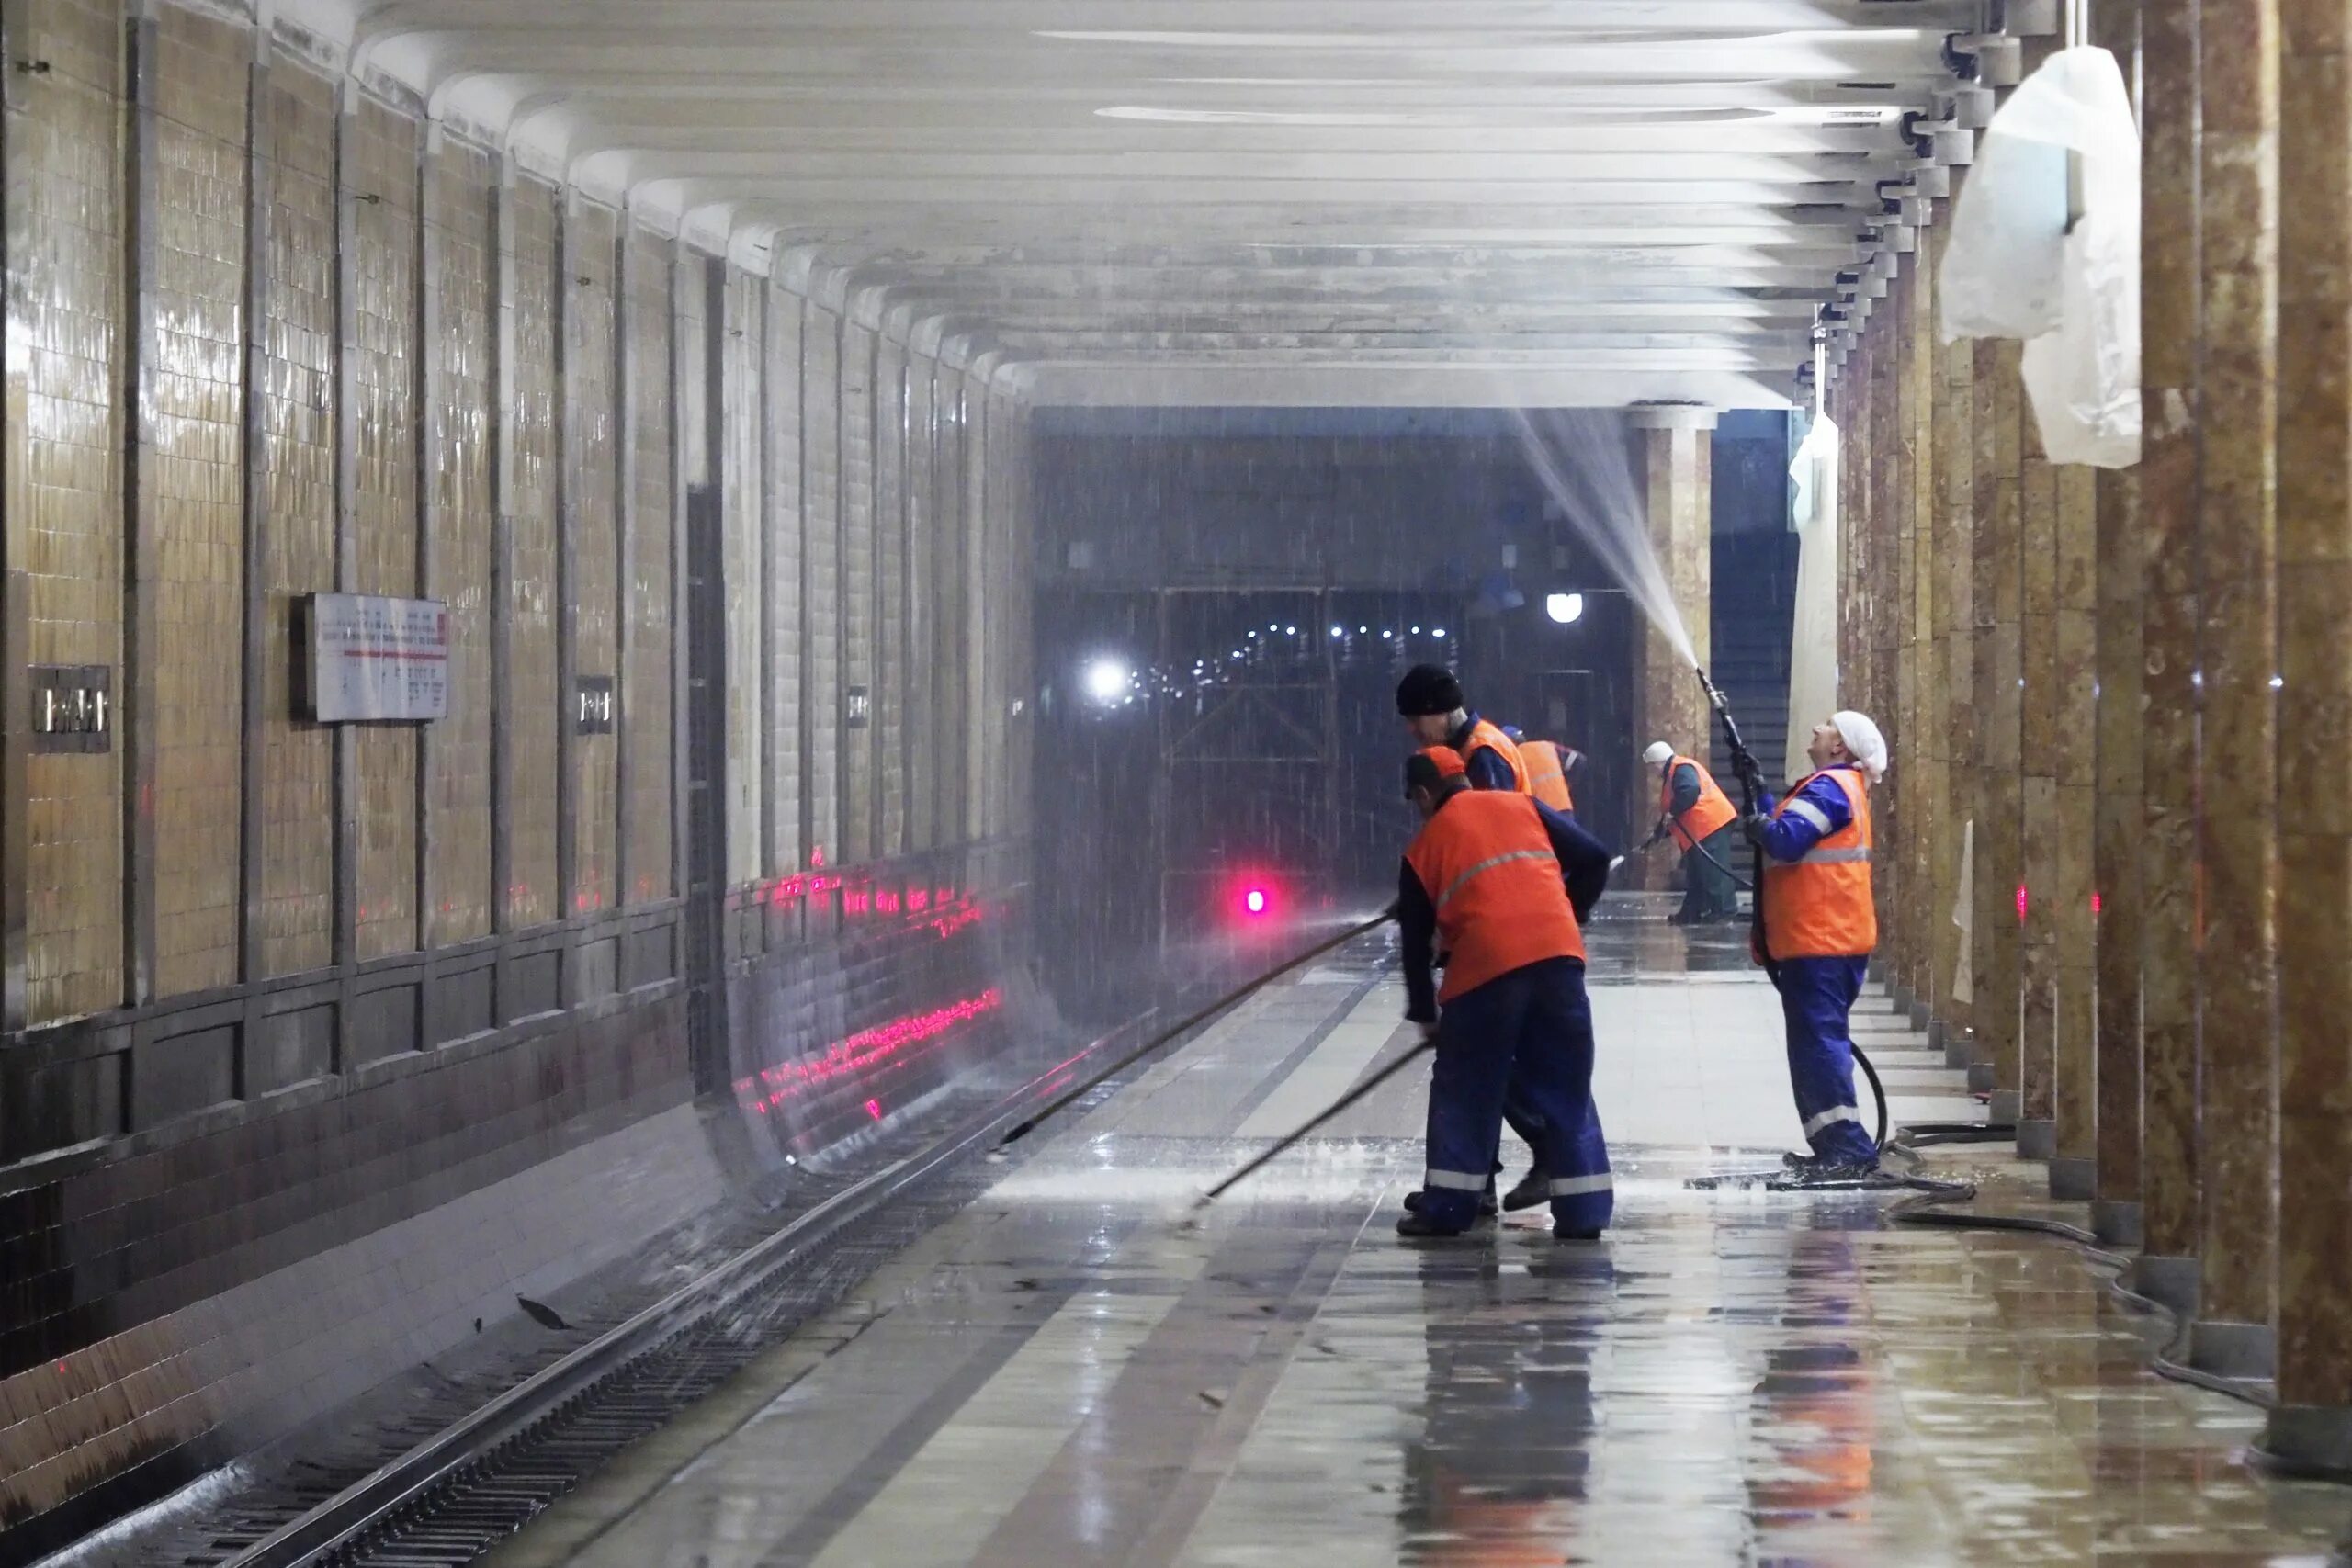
{"points": [[1820, 907], [1492, 738], [1488, 865], [1547, 775], [1712, 812]]}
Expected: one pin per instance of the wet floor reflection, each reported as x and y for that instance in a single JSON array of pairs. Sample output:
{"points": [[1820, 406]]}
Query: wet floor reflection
{"points": [[1496, 1474]]}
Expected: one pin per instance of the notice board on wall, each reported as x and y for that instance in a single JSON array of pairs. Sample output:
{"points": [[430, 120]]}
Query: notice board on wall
{"points": [[376, 660]]}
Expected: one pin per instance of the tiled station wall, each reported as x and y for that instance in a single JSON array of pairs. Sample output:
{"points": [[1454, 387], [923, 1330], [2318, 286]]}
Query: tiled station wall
{"points": [[317, 1044]]}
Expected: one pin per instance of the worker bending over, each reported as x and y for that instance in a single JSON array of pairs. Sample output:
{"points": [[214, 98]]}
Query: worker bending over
{"points": [[1818, 930], [1500, 883], [1548, 765], [1429, 700], [1693, 810]]}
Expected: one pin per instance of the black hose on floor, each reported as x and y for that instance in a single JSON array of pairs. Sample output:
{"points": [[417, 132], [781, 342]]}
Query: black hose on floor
{"points": [[1928, 1209], [1930, 1134], [1877, 1089]]}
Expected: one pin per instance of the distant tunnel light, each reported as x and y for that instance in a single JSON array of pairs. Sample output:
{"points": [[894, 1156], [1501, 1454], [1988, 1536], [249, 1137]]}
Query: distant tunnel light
{"points": [[1107, 680], [1565, 608]]}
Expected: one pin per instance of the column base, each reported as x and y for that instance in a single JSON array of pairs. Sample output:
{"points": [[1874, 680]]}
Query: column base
{"points": [[2248, 1350], [1980, 1078], [2116, 1222], [2036, 1140], [2074, 1180], [1936, 1034], [1959, 1054], [1900, 995], [2009, 1104], [2171, 1282], [2310, 1439], [1918, 1015]]}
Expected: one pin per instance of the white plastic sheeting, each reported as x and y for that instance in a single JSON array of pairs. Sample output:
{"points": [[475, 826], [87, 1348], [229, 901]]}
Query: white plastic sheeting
{"points": [[2013, 267], [1813, 636]]}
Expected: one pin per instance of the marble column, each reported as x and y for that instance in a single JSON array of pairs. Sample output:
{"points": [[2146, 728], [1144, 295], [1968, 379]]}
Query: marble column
{"points": [[2237, 538], [2312, 1422], [2114, 1204], [1889, 569], [1954, 720], [1929, 715], [2116, 805], [1997, 604], [2074, 768], [1905, 792], [1676, 455], [2038, 828], [2171, 300]]}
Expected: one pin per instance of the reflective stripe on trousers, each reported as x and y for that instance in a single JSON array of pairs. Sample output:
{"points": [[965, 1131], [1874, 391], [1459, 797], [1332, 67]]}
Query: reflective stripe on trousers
{"points": [[1816, 996]]}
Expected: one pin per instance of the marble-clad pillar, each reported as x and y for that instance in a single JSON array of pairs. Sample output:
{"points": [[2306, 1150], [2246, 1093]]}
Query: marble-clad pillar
{"points": [[1998, 602], [1905, 794], [2238, 96], [2312, 1422], [1954, 627], [2114, 1204], [2038, 826], [2171, 297], [2074, 771], [1675, 449]]}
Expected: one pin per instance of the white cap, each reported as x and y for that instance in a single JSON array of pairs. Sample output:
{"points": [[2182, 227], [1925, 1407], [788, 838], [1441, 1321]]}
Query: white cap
{"points": [[1659, 755], [1863, 738]]}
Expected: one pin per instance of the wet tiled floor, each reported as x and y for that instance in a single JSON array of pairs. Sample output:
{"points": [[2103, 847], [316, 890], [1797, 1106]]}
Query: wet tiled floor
{"points": [[1068, 1373]]}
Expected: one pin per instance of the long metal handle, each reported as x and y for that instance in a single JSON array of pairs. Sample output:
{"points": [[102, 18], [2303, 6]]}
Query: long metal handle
{"points": [[1288, 1140]]}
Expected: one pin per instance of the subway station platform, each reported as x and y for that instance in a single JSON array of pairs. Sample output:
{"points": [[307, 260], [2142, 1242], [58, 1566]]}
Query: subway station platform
{"points": [[1065, 1373]]}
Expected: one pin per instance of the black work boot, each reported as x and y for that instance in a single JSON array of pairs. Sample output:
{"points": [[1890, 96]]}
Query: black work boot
{"points": [[1561, 1232], [1533, 1188], [1413, 1200], [1418, 1226]]}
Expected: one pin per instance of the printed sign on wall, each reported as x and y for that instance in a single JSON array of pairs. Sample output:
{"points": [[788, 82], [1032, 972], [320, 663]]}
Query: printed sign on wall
{"points": [[378, 660]]}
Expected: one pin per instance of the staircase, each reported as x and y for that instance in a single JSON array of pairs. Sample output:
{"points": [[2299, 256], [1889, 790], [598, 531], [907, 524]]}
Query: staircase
{"points": [[1754, 606]]}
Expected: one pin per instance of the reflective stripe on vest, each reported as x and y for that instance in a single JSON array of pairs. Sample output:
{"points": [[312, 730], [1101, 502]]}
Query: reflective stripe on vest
{"points": [[1820, 907], [1487, 864], [1490, 737], [1708, 815], [1466, 872], [1547, 775]]}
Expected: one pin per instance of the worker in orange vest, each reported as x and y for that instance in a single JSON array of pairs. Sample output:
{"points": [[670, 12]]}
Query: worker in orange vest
{"points": [[1818, 927], [1548, 765], [1693, 810], [1429, 700], [1500, 881]]}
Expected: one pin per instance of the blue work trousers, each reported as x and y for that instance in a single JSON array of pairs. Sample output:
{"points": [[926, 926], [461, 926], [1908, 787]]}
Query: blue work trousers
{"points": [[1527, 1034], [1816, 994]]}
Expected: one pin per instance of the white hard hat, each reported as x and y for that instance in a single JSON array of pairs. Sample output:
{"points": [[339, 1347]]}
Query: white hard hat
{"points": [[1863, 738], [1659, 755]]}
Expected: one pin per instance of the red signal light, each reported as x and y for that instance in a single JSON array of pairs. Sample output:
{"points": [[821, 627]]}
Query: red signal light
{"points": [[1255, 901]]}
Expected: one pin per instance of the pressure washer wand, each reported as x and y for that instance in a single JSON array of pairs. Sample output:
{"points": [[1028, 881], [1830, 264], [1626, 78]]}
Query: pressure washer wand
{"points": [[1743, 761]]}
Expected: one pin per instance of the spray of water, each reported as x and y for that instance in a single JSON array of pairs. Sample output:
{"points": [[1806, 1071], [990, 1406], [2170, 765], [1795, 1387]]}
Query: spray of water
{"points": [[1582, 460]]}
